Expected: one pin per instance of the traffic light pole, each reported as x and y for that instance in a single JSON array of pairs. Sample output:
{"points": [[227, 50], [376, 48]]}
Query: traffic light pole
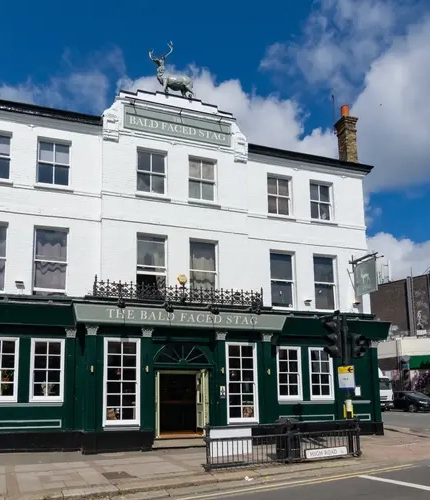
{"points": [[346, 360]]}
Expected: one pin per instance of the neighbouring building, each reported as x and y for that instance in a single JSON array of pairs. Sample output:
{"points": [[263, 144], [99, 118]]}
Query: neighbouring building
{"points": [[159, 273], [405, 304]]}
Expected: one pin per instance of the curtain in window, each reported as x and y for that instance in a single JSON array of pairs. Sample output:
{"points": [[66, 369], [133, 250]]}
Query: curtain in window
{"points": [[51, 245], [202, 256]]}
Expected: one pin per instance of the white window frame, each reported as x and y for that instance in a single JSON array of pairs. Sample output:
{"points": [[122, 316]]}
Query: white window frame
{"points": [[151, 173], [3, 258], [14, 397], [202, 181], [299, 397], [60, 397], [50, 290], [54, 164], [333, 285], [256, 417], [277, 178], [9, 156], [292, 281], [121, 423], [330, 397], [142, 236], [329, 203], [215, 273]]}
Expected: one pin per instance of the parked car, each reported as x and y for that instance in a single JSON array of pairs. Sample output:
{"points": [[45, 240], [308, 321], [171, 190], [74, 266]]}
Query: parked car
{"points": [[411, 401]]}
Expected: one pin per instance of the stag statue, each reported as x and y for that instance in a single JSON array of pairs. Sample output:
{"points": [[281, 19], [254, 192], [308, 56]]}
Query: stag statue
{"points": [[173, 82]]}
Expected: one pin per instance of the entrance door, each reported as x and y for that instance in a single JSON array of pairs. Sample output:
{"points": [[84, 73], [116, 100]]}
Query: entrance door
{"points": [[202, 399]]}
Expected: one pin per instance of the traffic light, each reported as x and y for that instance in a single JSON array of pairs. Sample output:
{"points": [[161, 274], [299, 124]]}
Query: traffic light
{"points": [[333, 326], [359, 345]]}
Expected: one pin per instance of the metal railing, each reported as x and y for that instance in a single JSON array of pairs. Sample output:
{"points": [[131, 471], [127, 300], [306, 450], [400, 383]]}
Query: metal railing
{"points": [[284, 442], [160, 293]]}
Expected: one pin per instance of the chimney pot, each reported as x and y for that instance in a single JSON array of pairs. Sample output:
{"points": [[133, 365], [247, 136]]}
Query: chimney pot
{"points": [[344, 110]]}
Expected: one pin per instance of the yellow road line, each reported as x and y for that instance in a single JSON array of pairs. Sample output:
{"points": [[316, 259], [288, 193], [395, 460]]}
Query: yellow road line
{"points": [[289, 484]]}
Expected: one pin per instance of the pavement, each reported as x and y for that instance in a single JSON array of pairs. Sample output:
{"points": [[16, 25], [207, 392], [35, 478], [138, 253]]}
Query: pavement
{"points": [[179, 473]]}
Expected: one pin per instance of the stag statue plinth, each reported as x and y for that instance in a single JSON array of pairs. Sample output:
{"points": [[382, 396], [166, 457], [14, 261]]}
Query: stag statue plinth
{"points": [[177, 83]]}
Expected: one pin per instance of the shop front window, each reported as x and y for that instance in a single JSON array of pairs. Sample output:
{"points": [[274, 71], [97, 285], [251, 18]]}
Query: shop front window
{"points": [[47, 370], [242, 383], [122, 382], [8, 369]]}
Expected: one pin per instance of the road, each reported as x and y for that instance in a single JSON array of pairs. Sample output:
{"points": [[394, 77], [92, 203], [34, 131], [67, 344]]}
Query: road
{"points": [[410, 482], [419, 422]]}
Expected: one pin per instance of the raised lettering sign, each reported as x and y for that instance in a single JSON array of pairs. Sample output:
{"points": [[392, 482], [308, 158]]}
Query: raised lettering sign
{"points": [[174, 125], [101, 314]]}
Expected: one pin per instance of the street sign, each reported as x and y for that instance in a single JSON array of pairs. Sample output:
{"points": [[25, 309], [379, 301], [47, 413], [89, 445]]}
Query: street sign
{"points": [[326, 452], [345, 369], [346, 377]]}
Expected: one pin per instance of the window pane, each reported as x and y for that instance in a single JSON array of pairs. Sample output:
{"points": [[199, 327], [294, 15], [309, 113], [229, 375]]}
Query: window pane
{"points": [[3, 232], [283, 187], [283, 208], [272, 185], [2, 273], [207, 192], [202, 280], [4, 145], [315, 210], [158, 184], [144, 161], [273, 209], [143, 182], [282, 295], [61, 176], [62, 154], [324, 193], [324, 211], [208, 171], [202, 256], [195, 169], [4, 168], [194, 189], [323, 269], [51, 245], [150, 252], [158, 163], [314, 192], [51, 275], [324, 297], [45, 173], [281, 266], [46, 151]]}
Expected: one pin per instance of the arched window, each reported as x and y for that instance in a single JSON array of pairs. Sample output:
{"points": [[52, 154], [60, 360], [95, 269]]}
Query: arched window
{"points": [[181, 354]]}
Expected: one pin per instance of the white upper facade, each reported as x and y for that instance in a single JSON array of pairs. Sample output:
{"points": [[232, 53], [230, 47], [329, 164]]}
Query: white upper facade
{"points": [[163, 186]]}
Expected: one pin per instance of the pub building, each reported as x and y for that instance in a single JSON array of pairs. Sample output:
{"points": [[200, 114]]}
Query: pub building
{"points": [[163, 274]]}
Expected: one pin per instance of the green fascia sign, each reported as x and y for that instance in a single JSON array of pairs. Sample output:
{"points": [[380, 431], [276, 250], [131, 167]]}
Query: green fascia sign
{"points": [[98, 314], [174, 125]]}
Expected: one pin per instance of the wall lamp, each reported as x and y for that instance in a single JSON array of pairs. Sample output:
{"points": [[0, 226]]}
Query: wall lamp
{"points": [[256, 307], [308, 302], [168, 307], [121, 303], [214, 309], [19, 284]]}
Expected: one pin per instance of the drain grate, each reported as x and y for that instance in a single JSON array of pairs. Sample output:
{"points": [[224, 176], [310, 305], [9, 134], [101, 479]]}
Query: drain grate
{"points": [[118, 475]]}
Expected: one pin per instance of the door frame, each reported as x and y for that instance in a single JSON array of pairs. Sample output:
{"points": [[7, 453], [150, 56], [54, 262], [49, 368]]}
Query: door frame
{"points": [[163, 371]]}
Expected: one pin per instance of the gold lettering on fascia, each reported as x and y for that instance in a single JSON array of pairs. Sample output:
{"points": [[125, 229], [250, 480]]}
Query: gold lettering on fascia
{"points": [[189, 318], [177, 128]]}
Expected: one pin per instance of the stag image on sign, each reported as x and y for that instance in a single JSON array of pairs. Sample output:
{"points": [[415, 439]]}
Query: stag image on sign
{"points": [[365, 277], [181, 83]]}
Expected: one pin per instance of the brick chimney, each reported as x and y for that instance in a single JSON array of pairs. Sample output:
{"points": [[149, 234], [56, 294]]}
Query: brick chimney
{"points": [[346, 132]]}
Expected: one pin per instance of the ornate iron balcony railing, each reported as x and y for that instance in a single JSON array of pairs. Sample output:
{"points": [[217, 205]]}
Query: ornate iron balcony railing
{"points": [[177, 294]]}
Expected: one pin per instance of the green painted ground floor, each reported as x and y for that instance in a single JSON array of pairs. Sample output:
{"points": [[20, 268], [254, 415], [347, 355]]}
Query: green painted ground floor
{"points": [[98, 379]]}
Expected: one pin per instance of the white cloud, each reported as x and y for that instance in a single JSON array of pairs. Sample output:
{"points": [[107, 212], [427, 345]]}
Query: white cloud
{"points": [[404, 255]]}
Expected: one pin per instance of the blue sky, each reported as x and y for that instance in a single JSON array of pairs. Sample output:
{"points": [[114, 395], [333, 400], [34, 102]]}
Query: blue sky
{"points": [[275, 67]]}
